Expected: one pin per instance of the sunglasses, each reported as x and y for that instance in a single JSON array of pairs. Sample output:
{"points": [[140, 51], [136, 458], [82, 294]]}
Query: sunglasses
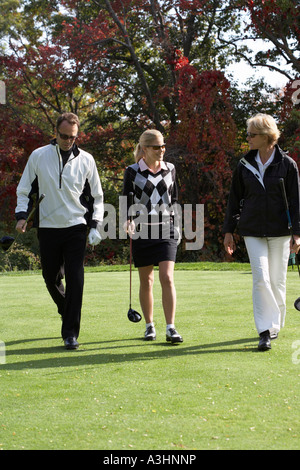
{"points": [[157, 147], [67, 137], [249, 134]]}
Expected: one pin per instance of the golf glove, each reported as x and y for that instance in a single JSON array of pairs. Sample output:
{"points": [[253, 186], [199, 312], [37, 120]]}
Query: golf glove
{"points": [[94, 237]]}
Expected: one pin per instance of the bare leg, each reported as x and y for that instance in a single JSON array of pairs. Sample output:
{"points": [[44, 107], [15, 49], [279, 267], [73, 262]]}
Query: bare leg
{"points": [[146, 274], [166, 277]]}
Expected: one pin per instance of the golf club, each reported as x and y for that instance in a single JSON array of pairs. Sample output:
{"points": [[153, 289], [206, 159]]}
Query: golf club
{"points": [[281, 181], [132, 315], [7, 242]]}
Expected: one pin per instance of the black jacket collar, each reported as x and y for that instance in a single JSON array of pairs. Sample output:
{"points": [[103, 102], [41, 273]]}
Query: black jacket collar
{"points": [[75, 148], [279, 153]]}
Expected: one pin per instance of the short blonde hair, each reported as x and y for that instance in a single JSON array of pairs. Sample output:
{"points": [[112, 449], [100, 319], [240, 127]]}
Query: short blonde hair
{"points": [[147, 138], [266, 125]]}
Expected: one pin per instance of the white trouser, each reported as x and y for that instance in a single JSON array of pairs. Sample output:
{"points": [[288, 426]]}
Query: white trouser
{"points": [[269, 260]]}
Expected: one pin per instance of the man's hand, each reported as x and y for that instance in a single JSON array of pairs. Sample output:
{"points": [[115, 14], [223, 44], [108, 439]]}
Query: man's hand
{"points": [[94, 237], [21, 226]]}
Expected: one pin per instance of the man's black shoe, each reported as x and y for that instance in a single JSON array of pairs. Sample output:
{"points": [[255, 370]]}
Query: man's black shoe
{"points": [[71, 343], [265, 341]]}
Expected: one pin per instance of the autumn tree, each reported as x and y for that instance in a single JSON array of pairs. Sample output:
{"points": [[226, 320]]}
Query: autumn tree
{"points": [[17, 140], [123, 66], [277, 22]]}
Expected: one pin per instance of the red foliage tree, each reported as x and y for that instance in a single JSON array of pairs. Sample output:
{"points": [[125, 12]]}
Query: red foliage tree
{"points": [[123, 66], [201, 145], [17, 141], [290, 119]]}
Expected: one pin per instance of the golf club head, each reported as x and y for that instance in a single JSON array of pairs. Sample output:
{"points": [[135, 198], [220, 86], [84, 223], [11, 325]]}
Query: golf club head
{"points": [[6, 242], [133, 315], [297, 304]]}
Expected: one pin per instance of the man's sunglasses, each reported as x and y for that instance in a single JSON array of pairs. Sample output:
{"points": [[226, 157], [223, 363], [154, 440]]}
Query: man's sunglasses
{"points": [[67, 137]]}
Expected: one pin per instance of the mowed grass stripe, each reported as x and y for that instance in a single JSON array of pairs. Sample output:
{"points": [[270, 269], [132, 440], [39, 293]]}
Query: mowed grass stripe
{"points": [[214, 391]]}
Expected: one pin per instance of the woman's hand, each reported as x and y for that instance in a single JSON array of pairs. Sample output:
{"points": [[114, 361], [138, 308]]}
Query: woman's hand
{"points": [[229, 243], [129, 227], [295, 244]]}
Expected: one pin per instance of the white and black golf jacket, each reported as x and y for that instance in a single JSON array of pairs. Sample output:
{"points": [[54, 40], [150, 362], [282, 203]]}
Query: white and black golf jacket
{"points": [[73, 192]]}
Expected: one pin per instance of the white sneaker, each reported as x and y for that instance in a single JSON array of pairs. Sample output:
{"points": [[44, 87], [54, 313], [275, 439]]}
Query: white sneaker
{"points": [[173, 336], [150, 333]]}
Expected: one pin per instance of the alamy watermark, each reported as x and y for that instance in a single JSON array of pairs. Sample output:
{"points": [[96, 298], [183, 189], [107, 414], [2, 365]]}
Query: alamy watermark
{"points": [[296, 353], [2, 92], [154, 224], [296, 94], [2, 352]]}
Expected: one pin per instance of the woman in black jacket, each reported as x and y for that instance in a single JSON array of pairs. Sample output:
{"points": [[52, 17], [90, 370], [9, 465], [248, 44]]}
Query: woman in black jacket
{"points": [[256, 207]]}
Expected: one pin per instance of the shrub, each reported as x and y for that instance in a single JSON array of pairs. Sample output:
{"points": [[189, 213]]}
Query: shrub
{"points": [[19, 259]]}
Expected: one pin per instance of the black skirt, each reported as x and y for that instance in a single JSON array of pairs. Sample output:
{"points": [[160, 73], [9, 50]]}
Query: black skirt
{"points": [[151, 251]]}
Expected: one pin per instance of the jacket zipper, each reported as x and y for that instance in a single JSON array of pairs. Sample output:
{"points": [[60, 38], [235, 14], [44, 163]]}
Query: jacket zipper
{"points": [[60, 167]]}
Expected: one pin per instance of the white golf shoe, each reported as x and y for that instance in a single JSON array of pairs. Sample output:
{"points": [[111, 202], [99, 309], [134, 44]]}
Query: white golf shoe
{"points": [[173, 336]]}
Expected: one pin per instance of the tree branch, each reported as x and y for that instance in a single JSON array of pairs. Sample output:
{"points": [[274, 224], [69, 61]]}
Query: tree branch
{"points": [[154, 114], [240, 54]]}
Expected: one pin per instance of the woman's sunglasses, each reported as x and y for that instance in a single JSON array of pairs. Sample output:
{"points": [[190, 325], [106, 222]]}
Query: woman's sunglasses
{"points": [[157, 147], [250, 134]]}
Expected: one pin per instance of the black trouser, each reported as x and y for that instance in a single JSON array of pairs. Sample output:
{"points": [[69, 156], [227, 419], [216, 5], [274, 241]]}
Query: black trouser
{"points": [[62, 253]]}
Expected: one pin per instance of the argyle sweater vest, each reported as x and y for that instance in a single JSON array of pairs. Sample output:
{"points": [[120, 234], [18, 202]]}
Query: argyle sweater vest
{"points": [[156, 193]]}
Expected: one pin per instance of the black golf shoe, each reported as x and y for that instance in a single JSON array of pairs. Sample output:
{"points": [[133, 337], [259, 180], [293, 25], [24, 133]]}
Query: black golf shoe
{"points": [[150, 334], [71, 343], [265, 341], [173, 336]]}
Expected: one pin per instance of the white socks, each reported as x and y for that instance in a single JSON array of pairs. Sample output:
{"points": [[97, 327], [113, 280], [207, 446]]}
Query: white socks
{"points": [[171, 325]]}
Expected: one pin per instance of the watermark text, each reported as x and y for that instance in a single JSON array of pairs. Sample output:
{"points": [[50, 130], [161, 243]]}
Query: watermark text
{"points": [[162, 221], [296, 353], [2, 92], [2, 352], [296, 94]]}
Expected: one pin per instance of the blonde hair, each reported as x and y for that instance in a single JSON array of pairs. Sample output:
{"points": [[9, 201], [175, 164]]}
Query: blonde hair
{"points": [[266, 125], [147, 138]]}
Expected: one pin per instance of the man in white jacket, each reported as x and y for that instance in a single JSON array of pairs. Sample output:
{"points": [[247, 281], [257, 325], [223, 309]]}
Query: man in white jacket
{"points": [[68, 177]]}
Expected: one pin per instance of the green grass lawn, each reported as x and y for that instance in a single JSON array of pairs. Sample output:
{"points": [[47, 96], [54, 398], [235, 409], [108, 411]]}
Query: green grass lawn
{"points": [[213, 391]]}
